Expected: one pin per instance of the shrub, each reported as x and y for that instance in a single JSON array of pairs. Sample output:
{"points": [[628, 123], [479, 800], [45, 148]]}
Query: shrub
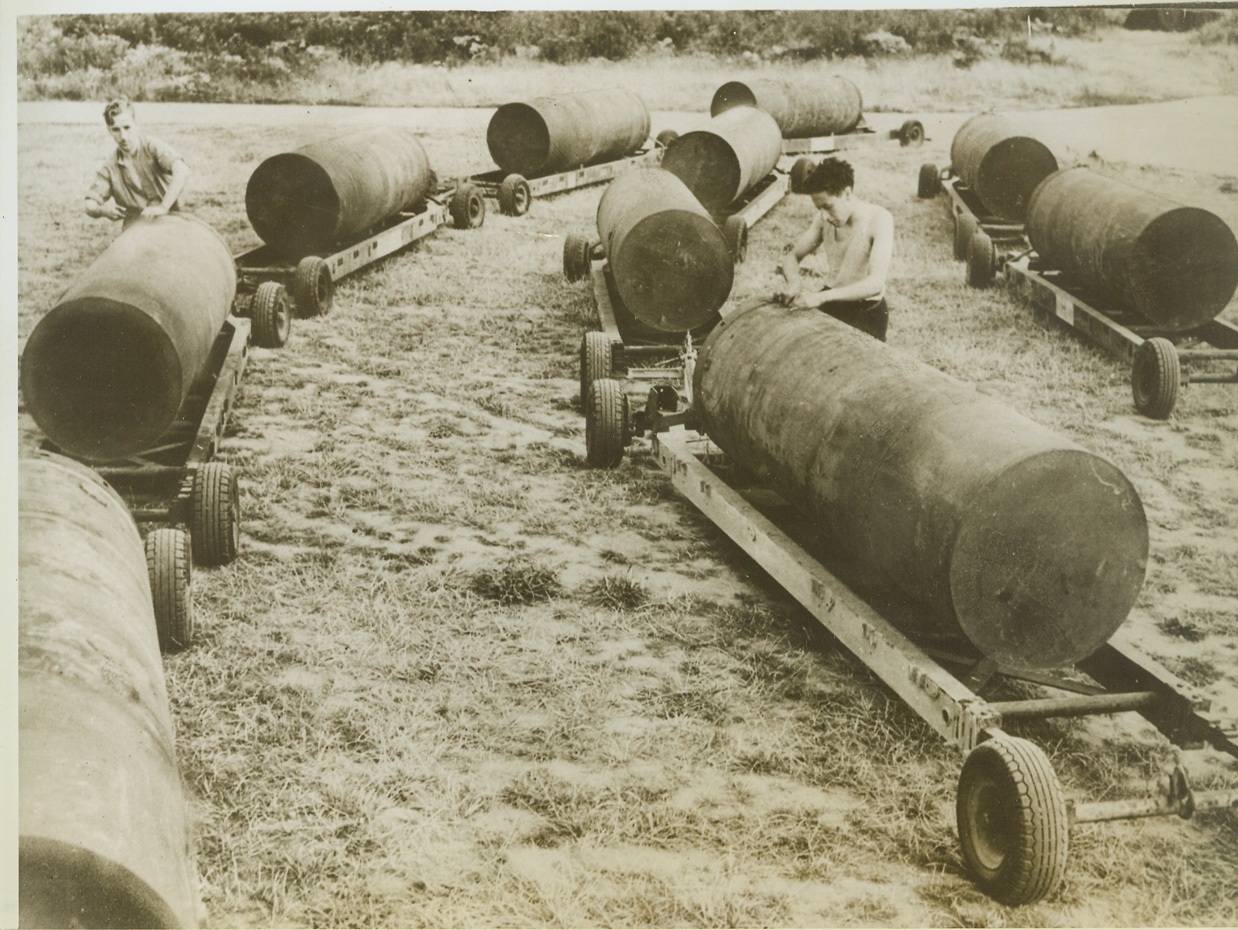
{"points": [[517, 581]]}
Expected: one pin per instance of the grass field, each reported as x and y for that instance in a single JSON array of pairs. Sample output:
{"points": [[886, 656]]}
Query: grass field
{"points": [[456, 678]]}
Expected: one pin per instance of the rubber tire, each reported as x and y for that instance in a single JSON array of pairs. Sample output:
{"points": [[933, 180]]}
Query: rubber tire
{"points": [[930, 181], [1155, 375], [596, 361], [666, 137], [606, 424], [1012, 820], [799, 171], [271, 315], [736, 231], [467, 207], [313, 291], [981, 260], [170, 568], [965, 227], [215, 514], [911, 133], [577, 261], [514, 195]]}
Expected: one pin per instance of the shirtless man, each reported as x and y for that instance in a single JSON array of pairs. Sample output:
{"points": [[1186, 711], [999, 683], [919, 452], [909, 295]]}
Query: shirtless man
{"points": [[856, 242], [143, 177]]}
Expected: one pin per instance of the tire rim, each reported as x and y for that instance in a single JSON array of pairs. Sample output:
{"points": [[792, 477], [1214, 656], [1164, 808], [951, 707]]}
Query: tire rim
{"points": [[990, 825], [521, 200], [234, 511], [475, 208], [283, 318]]}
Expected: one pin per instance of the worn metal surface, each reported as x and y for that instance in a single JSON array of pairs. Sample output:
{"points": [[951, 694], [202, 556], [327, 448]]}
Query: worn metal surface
{"points": [[992, 524], [105, 370], [1001, 164], [800, 108], [722, 160], [567, 131], [669, 260], [102, 821], [1174, 265], [307, 201]]}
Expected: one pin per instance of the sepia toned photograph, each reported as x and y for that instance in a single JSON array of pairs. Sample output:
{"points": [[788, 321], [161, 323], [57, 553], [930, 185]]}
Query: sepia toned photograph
{"points": [[655, 468]]}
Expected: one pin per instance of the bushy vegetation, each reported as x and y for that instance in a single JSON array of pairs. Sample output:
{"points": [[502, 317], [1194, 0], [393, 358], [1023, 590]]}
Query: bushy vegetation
{"points": [[167, 56]]}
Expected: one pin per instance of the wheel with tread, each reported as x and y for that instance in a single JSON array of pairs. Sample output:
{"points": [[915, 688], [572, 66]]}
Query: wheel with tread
{"points": [[981, 260], [596, 361], [1012, 820], [514, 195], [577, 260], [271, 315], [799, 171], [736, 231], [1156, 373], [930, 181], [965, 227], [666, 137], [911, 133], [170, 568], [606, 423], [467, 207], [312, 288], [215, 514]]}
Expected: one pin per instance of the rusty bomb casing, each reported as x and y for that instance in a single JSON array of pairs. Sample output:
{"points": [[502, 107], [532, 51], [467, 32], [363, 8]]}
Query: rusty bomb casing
{"points": [[669, 261], [1174, 265], [567, 131], [801, 109], [992, 524], [306, 201], [105, 371], [102, 822], [723, 159], [1000, 164]]}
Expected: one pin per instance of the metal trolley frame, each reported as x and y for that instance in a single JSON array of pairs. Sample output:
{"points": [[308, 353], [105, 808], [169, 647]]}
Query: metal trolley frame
{"points": [[178, 483], [515, 193], [271, 287], [1014, 840]]}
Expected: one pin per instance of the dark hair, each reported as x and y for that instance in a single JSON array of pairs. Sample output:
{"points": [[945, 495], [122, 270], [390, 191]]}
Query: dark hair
{"points": [[115, 107], [832, 176]]}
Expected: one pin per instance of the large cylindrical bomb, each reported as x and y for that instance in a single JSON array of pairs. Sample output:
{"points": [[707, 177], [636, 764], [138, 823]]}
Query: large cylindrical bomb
{"points": [[567, 131], [991, 523], [1000, 164], [728, 155], [801, 109], [105, 371], [102, 820], [1174, 265], [307, 201], [669, 261]]}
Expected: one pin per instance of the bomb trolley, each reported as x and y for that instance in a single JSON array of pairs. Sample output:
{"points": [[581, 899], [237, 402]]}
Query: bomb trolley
{"points": [[624, 341], [266, 281], [911, 132], [178, 483], [1160, 361], [967, 213], [1013, 818], [515, 193]]}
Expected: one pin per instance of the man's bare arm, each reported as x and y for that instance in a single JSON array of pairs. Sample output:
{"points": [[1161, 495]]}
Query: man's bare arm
{"points": [[176, 185], [804, 245]]}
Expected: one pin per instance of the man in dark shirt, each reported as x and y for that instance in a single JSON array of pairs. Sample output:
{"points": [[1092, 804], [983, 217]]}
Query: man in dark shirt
{"points": [[144, 176]]}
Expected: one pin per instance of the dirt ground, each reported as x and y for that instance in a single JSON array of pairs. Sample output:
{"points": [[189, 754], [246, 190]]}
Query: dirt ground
{"points": [[458, 678]]}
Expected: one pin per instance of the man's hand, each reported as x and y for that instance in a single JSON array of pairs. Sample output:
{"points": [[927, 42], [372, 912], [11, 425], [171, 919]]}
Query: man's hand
{"points": [[156, 209], [106, 211]]}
